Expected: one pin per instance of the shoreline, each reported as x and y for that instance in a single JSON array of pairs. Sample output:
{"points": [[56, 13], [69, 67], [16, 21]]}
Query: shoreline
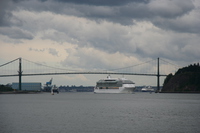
{"points": [[21, 92], [192, 92]]}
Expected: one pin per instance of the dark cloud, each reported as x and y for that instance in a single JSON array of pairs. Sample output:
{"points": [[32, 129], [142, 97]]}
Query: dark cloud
{"points": [[159, 12], [4, 13], [102, 2], [6, 16], [16, 33], [125, 14], [187, 24]]}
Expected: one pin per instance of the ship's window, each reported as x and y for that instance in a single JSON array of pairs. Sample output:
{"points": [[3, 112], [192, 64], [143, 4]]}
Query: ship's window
{"points": [[110, 80], [109, 83], [128, 82]]}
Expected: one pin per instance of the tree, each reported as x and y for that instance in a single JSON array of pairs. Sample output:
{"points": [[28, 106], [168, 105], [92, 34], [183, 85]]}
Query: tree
{"points": [[5, 88], [167, 78]]}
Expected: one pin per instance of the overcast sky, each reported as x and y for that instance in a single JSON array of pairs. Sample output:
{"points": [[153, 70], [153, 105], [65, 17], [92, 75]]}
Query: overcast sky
{"points": [[98, 34]]}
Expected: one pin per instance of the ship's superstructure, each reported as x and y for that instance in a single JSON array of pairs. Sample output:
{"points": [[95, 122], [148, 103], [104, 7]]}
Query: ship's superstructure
{"points": [[114, 85]]}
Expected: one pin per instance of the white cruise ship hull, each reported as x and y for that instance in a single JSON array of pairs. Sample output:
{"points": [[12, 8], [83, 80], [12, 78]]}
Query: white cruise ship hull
{"points": [[125, 90]]}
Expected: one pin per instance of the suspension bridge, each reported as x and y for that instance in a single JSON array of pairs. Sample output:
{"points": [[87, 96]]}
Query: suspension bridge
{"points": [[23, 67]]}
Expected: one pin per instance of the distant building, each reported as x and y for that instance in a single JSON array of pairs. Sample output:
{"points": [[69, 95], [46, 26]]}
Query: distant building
{"points": [[36, 86], [76, 88]]}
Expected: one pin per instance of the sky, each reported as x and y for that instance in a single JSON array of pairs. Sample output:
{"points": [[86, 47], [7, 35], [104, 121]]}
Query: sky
{"points": [[98, 35]]}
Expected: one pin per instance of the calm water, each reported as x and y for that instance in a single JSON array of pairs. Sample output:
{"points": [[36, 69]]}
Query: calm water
{"points": [[100, 113]]}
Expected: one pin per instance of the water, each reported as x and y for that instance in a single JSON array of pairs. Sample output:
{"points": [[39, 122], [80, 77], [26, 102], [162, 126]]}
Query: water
{"points": [[99, 113]]}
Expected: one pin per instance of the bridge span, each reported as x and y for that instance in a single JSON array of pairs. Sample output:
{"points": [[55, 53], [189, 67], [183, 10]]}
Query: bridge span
{"points": [[69, 73]]}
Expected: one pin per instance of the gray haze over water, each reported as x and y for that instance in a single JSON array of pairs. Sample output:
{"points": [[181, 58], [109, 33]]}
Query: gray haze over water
{"points": [[99, 113]]}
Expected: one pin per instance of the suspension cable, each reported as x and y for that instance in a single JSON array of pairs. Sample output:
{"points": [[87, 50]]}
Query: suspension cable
{"points": [[132, 66], [169, 62], [48, 66], [9, 62]]}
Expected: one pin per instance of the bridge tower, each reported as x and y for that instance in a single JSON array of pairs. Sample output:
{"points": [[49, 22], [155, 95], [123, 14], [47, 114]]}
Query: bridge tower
{"points": [[20, 73], [158, 77]]}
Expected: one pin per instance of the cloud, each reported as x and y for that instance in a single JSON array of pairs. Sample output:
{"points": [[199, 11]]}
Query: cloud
{"points": [[6, 9], [53, 52], [159, 12], [170, 8], [4, 14], [129, 11], [16, 33], [188, 23], [93, 59], [36, 49], [61, 28], [102, 2], [143, 39]]}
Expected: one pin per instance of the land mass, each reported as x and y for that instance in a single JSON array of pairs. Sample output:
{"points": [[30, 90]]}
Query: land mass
{"points": [[185, 80], [7, 89]]}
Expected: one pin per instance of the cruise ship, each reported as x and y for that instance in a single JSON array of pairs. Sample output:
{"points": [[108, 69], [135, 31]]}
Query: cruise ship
{"points": [[114, 85]]}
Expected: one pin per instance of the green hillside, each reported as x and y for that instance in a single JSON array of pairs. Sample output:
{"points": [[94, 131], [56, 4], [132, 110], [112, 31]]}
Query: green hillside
{"points": [[186, 79]]}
